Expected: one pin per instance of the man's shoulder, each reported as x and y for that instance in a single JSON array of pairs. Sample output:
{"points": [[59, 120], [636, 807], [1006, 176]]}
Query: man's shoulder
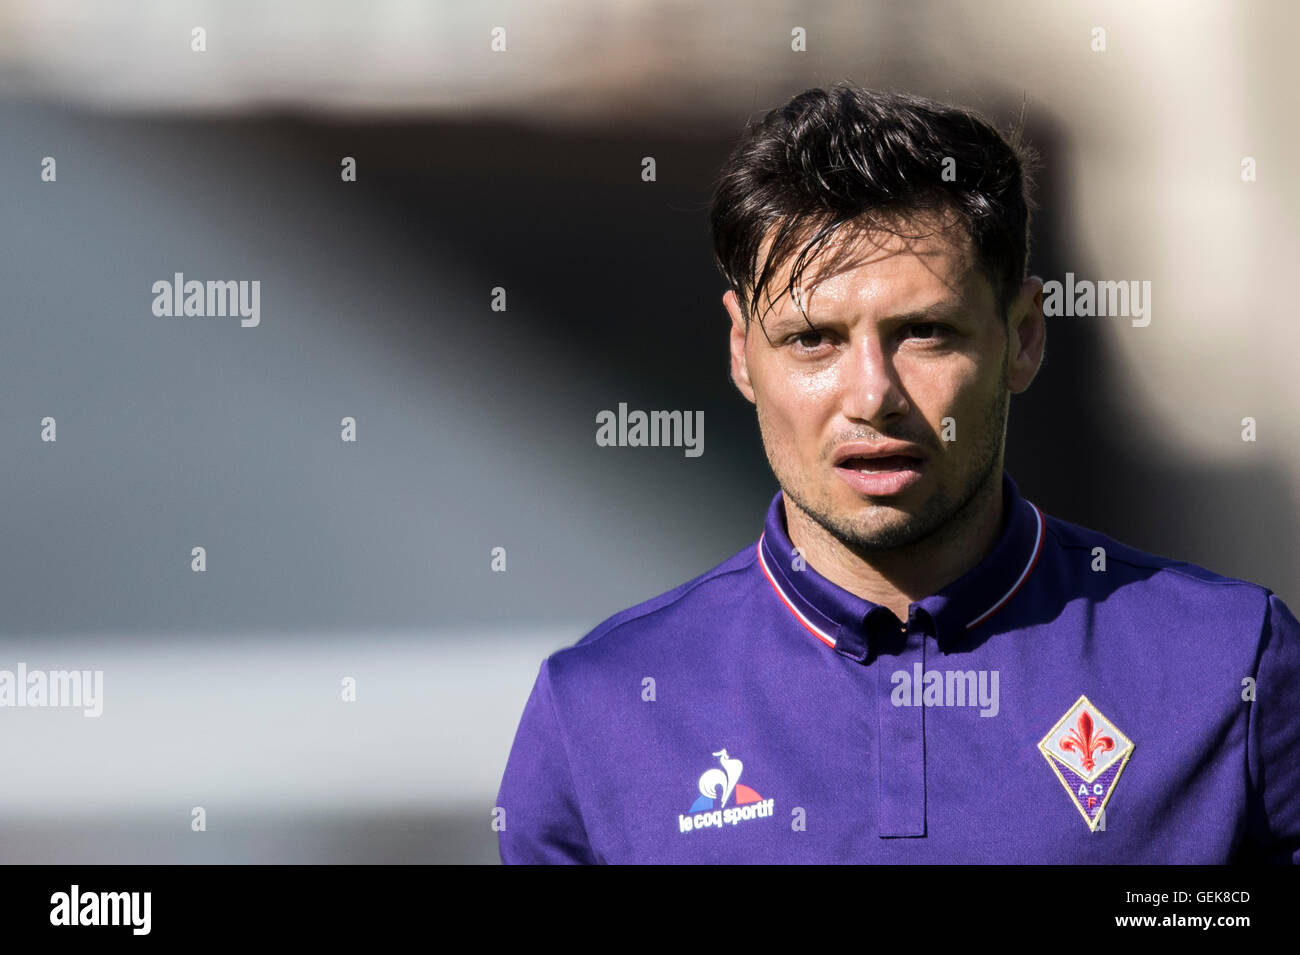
{"points": [[1120, 566], [701, 602]]}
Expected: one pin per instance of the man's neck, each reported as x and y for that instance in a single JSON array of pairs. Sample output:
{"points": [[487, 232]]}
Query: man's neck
{"points": [[895, 578]]}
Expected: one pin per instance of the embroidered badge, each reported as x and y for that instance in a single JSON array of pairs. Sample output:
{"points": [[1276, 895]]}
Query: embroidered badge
{"points": [[1087, 752], [716, 787]]}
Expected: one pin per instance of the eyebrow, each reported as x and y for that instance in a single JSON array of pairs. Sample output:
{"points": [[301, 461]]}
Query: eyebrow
{"points": [[939, 311]]}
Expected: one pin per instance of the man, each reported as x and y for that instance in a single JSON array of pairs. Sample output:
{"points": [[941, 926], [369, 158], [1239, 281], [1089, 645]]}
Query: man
{"points": [[913, 663]]}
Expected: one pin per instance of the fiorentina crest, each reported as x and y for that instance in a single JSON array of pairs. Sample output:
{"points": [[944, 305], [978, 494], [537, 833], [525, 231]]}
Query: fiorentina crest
{"points": [[1087, 752]]}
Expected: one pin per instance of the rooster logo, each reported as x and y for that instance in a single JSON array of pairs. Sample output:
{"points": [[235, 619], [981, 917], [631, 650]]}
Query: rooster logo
{"points": [[719, 785], [725, 777]]}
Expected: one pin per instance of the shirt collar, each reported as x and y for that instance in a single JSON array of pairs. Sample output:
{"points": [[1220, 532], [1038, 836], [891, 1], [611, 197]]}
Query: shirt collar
{"points": [[846, 622]]}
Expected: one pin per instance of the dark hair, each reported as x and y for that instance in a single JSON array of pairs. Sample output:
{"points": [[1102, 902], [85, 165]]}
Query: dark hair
{"points": [[834, 156]]}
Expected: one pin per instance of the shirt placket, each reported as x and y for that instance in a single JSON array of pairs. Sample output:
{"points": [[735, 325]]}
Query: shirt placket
{"points": [[901, 741]]}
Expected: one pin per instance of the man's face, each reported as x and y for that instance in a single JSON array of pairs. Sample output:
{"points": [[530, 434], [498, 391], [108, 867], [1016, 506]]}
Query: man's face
{"points": [[908, 348]]}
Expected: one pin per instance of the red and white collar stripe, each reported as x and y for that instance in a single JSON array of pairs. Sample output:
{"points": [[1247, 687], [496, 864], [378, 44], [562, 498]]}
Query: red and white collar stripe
{"points": [[1024, 574], [1001, 602], [811, 627]]}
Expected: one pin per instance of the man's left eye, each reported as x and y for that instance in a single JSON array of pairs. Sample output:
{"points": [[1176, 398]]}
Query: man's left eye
{"points": [[933, 329]]}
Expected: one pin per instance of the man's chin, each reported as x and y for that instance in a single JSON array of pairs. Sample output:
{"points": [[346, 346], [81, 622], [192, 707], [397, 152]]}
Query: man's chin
{"points": [[877, 536], [853, 506], [869, 525]]}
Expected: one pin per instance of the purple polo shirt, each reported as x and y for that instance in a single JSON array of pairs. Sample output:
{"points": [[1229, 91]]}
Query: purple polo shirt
{"points": [[1067, 700]]}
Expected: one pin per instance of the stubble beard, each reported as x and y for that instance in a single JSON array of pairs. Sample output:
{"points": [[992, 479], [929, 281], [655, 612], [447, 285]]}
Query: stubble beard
{"points": [[950, 513]]}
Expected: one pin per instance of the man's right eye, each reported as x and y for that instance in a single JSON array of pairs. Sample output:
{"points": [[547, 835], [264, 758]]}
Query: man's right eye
{"points": [[807, 341]]}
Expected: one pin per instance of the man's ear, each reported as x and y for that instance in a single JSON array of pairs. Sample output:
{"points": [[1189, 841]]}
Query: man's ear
{"points": [[739, 363], [1028, 335]]}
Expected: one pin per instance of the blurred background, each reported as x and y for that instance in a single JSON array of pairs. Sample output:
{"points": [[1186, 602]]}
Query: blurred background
{"points": [[521, 169]]}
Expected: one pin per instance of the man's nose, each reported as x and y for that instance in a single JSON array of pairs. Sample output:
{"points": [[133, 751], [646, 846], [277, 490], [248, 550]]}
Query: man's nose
{"points": [[870, 390]]}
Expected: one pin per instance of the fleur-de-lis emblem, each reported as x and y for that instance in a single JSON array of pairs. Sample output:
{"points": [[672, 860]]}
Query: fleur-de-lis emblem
{"points": [[1099, 745], [1082, 741]]}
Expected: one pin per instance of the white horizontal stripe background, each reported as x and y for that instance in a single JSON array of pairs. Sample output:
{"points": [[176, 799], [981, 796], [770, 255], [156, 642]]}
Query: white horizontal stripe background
{"points": [[256, 722]]}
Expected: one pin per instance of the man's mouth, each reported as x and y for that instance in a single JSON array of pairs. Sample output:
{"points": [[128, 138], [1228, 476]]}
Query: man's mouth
{"points": [[884, 475], [891, 462]]}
